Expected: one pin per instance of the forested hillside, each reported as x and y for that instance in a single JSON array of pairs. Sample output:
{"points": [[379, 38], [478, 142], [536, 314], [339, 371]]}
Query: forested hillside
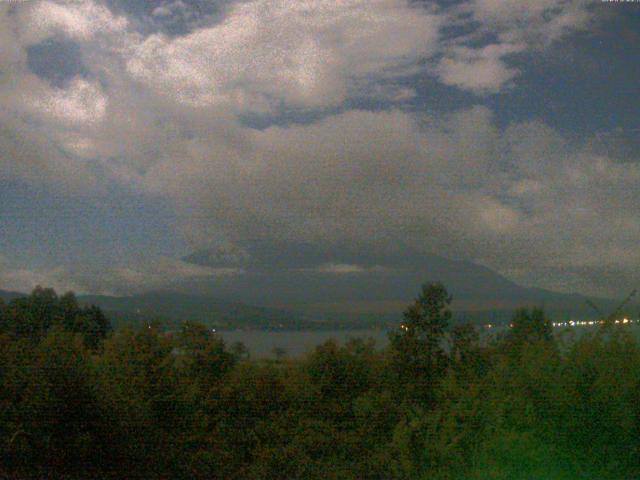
{"points": [[80, 400]]}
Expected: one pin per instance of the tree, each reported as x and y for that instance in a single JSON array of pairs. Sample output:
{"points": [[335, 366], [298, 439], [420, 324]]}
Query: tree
{"points": [[240, 351], [419, 355], [2, 308], [279, 353], [464, 343], [31, 317], [203, 354], [339, 373], [54, 419], [529, 327]]}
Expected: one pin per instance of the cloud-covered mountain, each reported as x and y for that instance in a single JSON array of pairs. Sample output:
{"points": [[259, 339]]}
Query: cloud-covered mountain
{"points": [[353, 280]]}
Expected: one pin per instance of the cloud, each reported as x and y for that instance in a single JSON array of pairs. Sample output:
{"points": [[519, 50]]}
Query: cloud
{"points": [[159, 273], [46, 129], [164, 116], [78, 19], [80, 103], [25, 280], [29, 154], [266, 52], [168, 9], [541, 22], [520, 198], [310, 180], [345, 269], [480, 70], [456, 184], [473, 63]]}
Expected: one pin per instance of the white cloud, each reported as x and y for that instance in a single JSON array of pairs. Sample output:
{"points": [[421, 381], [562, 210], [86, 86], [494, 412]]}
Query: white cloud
{"points": [[497, 217], [161, 11], [542, 21], [159, 273], [12, 56], [45, 130], [346, 269], [27, 153], [480, 70], [80, 103], [78, 19], [545, 20], [470, 63], [305, 54], [24, 280]]}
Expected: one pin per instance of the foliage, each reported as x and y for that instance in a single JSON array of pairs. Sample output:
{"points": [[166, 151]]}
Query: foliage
{"points": [[420, 358], [31, 317], [529, 327], [78, 401]]}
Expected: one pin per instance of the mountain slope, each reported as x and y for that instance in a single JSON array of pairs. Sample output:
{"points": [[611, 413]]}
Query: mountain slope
{"points": [[182, 307], [172, 308], [7, 296]]}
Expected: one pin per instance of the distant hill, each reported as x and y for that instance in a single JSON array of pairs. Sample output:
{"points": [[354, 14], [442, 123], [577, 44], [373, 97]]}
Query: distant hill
{"points": [[8, 296], [172, 308], [177, 307]]}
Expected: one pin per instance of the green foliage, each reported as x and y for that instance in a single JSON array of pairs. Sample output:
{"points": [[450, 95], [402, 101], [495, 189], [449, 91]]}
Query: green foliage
{"points": [[33, 316], [420, 358], [529, 327], [437, 404]]}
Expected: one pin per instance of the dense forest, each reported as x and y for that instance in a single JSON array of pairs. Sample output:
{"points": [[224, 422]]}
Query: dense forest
{"points": [[79, 400]]}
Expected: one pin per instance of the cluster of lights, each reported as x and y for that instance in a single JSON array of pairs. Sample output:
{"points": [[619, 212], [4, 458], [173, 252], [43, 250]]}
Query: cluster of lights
{"points": [[570, 323], [573, 323], [578, 323]]}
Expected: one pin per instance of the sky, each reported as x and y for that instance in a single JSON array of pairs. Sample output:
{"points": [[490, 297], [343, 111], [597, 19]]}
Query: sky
{"points": [[500, 132]]}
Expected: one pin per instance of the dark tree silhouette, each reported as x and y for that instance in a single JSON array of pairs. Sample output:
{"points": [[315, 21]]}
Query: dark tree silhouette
{"points": [[420, 357]]}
